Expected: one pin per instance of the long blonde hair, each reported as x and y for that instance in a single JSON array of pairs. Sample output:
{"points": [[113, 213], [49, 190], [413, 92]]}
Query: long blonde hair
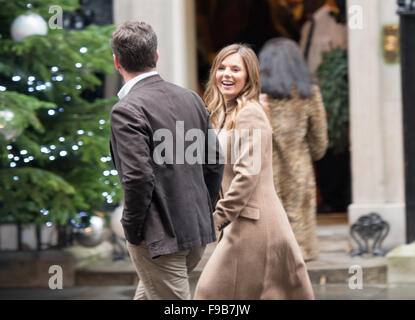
{"points": [[214, 99]]}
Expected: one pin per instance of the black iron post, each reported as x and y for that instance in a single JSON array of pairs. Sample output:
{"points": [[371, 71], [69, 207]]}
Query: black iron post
{"points": [[407, 26]]}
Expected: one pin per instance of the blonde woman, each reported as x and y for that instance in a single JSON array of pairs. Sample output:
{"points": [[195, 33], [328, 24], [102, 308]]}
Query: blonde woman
{"points": [[257, 256]]}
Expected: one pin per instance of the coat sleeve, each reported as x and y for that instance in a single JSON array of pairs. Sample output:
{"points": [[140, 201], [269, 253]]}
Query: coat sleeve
{"points": [[317, 127], [213, 157], [247, 150], [213, 164], [133, 137]]}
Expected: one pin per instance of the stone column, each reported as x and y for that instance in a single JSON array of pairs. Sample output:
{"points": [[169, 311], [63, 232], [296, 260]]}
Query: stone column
{"points": [[376, 121], [174, 21]]}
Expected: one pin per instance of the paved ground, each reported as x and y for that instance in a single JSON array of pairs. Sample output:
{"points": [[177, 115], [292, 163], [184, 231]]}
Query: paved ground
{"points": [[332, 266], [333, 241], [327, 292]]}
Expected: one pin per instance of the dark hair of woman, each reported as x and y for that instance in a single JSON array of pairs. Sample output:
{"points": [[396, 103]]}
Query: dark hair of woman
{"points": [[283, 68]]}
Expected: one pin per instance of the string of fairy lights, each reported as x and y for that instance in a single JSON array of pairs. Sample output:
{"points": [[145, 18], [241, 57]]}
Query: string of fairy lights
{"points": [[61, 149], [40, 85], [26, 158], [54, 151]]}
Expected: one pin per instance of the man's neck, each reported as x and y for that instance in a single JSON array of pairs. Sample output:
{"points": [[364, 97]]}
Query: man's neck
{"points": [[127, 76]]}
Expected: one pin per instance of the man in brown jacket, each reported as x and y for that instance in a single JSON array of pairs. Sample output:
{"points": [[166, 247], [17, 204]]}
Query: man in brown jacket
{"points": [[167, 217]]}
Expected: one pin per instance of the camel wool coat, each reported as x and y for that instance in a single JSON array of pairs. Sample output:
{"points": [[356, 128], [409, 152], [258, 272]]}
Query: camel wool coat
{"points": [[257, 256]]}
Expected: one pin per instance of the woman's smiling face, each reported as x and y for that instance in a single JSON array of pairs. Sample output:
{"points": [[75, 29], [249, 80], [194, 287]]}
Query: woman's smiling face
{"points": [[231, 76]]}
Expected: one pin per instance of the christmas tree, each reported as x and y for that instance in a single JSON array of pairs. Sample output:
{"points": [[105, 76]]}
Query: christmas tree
{"points": [[333, 80], [54, 149]]}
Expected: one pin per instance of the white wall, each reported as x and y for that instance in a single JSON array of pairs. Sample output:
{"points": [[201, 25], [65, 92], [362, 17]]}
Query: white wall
{"points": [[174, 22], [376, 122]]}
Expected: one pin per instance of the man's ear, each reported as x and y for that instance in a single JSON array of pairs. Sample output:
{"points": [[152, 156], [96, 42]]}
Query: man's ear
{"points": [[116, 62], [157, 56]]}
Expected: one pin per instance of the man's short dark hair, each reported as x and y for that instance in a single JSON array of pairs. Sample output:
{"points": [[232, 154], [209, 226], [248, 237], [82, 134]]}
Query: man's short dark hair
{"points": [[135, 46]]}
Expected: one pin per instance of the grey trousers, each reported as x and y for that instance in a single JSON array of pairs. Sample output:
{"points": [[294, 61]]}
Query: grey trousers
{"points": [[166, 277]]}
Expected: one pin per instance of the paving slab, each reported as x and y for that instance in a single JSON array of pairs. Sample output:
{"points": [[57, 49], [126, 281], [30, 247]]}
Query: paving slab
{"points": [[332, 266], [401, 264], [326, 292]]}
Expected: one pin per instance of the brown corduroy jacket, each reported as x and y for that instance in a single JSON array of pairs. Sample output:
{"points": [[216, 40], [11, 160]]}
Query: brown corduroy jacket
{"points": [[168, 204]]}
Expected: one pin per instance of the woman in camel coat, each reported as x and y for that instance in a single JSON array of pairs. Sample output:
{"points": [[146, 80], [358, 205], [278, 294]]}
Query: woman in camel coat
{"points": [[257, 256]]}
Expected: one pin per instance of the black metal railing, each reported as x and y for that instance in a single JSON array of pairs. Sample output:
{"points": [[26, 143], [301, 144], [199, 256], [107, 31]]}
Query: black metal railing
{"points": [[368, 232]]}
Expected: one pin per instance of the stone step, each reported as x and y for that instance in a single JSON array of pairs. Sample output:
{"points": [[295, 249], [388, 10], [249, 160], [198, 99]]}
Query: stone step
{"points": [[401, 264], [334, 262], [339, 267], [95, 267], [330, 268], [30, 268], [107, 273]]}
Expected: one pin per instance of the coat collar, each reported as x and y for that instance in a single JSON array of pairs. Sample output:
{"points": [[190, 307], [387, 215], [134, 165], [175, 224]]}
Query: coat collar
{"points": [[137, 82]]}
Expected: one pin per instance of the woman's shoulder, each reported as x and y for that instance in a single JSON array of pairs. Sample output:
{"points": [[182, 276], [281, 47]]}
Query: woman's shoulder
{"points": [[251, 108], [252, 113], [295, 96], [252, 105]]}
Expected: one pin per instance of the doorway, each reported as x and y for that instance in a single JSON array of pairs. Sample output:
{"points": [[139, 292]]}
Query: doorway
{"points": [[223, 22]]}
